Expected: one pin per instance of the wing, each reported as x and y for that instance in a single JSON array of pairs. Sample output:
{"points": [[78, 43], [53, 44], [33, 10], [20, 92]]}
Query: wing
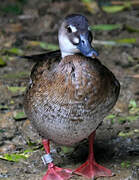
{"points": [[43, 56]]}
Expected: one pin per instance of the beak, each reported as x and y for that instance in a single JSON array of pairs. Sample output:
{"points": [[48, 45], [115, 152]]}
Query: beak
{"points": [[85, 46]]}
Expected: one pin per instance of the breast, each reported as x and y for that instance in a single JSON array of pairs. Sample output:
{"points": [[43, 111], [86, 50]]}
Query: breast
{"points": [[69, 98]]}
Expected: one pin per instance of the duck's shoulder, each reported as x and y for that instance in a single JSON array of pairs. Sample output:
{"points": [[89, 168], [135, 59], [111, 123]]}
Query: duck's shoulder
{"points": [[44, 62], [95, 68], [85, 63]]}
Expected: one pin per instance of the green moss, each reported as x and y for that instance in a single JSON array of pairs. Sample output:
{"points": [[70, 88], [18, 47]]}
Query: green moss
{"points": [[16, 75], [15, 9]]}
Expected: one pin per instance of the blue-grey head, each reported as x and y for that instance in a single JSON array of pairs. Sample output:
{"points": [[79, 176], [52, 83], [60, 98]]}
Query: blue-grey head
{"points": [[75, 36]]}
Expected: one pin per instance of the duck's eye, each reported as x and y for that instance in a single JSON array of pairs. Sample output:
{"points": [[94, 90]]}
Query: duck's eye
{"points": [[69, 30]]}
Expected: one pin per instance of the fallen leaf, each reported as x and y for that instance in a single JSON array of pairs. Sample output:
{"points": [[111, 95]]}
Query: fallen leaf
{"points": [[129, 118], [122, 42], [33, 43], [111, 116], [3, 107], [131, 28], [16, 51], [43, 45], [19, 116], [126, 40], [13, 28], [106, 27], [2, 62], [132, 104], [16, 89], [113, 9], [48, 46], [13, 157], [92, 6], [126, 164], [66, 149], [17, 75]]}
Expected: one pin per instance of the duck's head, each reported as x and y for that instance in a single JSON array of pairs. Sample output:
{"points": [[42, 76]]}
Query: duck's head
{"points": [[75, 36]]}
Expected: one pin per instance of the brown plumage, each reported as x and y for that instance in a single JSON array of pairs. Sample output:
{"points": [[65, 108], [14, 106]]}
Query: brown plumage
{"points": [[67, 99]]}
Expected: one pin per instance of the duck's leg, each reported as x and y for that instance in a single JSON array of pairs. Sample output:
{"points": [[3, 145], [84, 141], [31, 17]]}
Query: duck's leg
{"points": [[90, 168], [53, 172]]}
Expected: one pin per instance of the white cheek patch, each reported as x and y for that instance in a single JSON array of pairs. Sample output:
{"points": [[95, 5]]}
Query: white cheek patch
{"points": [[65, 44], [66, 47], [76, 40], [73, 28]]}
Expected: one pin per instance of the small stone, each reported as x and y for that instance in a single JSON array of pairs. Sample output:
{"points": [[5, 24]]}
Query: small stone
{"points": [[121, 107], [7, 148], [7, 125], [135, 173], [29, 133]]}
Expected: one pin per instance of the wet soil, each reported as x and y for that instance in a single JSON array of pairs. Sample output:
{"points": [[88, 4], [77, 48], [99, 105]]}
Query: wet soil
{"points": [[117, 139]]}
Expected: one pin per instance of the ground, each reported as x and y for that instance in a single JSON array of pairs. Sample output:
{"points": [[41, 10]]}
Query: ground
{"points": [[30, 27]]}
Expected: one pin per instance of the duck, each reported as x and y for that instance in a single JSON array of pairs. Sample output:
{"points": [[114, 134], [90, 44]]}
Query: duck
{"points": [[69, 93]]}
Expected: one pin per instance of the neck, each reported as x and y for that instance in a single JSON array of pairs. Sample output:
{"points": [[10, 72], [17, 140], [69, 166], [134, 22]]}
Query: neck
{"points": [[63, 54]]}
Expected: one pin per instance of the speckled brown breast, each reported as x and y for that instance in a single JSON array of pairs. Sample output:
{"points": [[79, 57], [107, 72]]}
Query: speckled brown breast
{"points": [[67, 99]]}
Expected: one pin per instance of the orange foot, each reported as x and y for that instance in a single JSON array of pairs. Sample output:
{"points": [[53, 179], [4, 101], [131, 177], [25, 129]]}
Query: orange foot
{"points": [[56, 173], [92, 170]]}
